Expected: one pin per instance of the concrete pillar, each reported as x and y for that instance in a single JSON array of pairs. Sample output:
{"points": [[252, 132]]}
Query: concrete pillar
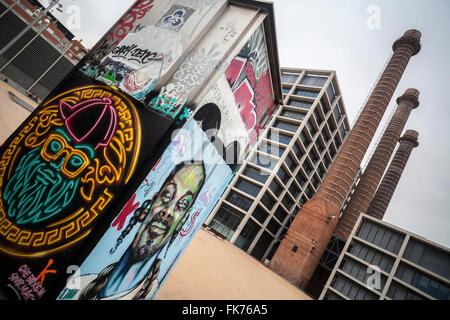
{"points": [[368, 184], [383, 196], [307, 238]]}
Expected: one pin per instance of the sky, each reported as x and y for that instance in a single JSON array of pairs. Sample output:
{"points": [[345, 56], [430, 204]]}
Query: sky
{"points": [[354, 38]]}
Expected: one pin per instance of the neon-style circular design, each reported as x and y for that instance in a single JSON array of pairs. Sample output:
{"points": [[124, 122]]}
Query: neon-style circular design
{"points": [[62, 169]]}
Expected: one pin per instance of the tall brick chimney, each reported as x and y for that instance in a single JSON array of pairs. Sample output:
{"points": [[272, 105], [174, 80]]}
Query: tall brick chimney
{"points": [[373, 174], [299, 252], [383, 196]]}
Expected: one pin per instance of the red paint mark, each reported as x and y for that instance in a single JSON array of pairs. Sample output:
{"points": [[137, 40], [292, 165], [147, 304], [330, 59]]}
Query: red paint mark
{"points": [[154, 168], [127, 24], [185, 232], [41, 275], [122, 217]]}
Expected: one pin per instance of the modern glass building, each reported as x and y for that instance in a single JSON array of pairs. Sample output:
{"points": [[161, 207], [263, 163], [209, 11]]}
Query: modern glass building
{"points": [[383, 262], [286, 166]]}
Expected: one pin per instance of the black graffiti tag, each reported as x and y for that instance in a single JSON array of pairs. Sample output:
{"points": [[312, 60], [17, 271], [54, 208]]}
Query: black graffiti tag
{"points": [[133, 53]]}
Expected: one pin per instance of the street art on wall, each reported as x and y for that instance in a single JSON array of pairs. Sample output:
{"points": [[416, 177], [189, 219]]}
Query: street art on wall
{"points": [[134, 257], [63, 168], [139, 53], [249, 78]]}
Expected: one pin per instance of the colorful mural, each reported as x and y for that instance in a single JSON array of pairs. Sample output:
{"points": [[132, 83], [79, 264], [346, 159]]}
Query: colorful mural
{"points": [[249, 78], [169, 208], [63, 168]]}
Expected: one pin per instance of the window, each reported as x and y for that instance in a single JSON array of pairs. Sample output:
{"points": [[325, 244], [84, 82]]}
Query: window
{"points": [[283, 175], [271, 149], [297, 151], [247, 187], [343, 130], [307, 167], [309, 192], [337, 113], [306, 93], [315, 182], [226, 221], [317, 116], [262, 245], [325, 107], [278, 137], [304, 139], [273, 226], [331, 124], [301, 179], [239, 201], [294, 249], [314, 157], [330, 93], [337, 142], [299, 104], [267, 201], [287, 202], [280, 214], [255, 174], [289, 77], [311, 128], [313, 80], [286, 126], [247, 235], [332, 151], [286, 90], [320, 146], [289, 161], [263, 161], [260, 214], [292, 115], [275, 188]]}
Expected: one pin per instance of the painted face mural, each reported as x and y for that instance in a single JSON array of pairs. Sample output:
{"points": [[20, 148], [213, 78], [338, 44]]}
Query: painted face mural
{"points": [[168, 209], [136, 254], [64, 167]]}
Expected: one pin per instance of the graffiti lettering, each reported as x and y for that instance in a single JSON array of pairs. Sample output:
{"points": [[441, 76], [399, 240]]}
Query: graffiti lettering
{"points": [[25, 284], [133, 53]]}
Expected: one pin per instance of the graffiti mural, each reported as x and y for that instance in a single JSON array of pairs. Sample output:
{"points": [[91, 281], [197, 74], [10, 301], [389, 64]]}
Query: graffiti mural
{"points": [[249, 78], [64, 167], [133, 263]]}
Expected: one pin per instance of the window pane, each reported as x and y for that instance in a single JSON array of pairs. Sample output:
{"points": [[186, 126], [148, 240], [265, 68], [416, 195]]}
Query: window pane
{"points": [[247, 187], [310, 80]]}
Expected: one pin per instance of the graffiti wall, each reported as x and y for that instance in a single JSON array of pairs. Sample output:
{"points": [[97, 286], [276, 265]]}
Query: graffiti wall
{"points": [[143, 244], [249, 78]]}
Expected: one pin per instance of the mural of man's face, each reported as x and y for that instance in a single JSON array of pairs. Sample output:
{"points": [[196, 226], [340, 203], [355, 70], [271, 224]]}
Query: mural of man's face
{"points": [[167, 210]]}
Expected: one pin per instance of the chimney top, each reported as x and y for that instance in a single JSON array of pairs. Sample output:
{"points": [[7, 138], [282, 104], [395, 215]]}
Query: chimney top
{"points": [[412, 95], [411, 37], [412, 136]]}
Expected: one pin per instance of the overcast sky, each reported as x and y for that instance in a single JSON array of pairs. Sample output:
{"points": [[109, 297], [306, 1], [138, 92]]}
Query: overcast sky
{"points": [[354, 38]]}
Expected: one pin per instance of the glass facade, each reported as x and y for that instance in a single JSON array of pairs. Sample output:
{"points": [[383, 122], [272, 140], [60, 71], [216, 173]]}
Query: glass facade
{"points": [[417, 269]]}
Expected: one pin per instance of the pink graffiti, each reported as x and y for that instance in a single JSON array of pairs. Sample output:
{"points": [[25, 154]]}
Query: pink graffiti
{"points": [[100, 116], [253, 96], [122, 217]]}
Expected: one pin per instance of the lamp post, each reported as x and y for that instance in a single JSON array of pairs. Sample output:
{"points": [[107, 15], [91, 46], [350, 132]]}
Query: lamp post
{"points": [[29, 26]]}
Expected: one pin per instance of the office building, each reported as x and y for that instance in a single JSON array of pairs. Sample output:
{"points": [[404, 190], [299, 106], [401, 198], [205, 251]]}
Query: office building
{"points": [[383, 262], [286, 166]]}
